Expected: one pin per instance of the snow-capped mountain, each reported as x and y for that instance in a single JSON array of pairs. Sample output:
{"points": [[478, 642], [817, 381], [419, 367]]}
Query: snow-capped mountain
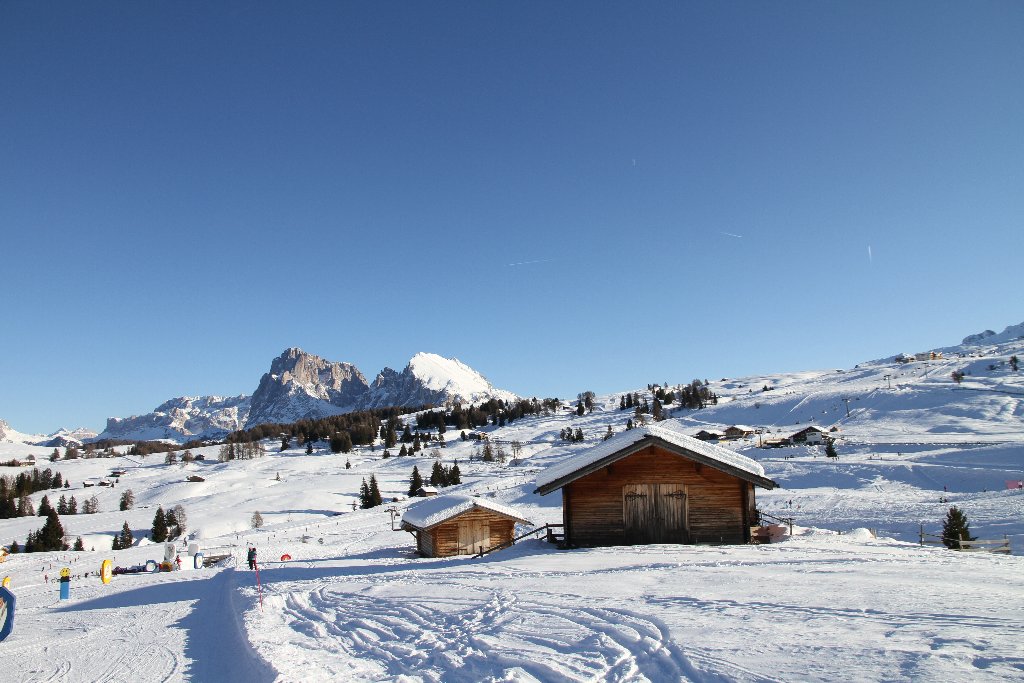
{"points": [[301, 385], [1011, 333], [182, 419], [58, 439], [63, 437], [430, 378], [11, 435]]}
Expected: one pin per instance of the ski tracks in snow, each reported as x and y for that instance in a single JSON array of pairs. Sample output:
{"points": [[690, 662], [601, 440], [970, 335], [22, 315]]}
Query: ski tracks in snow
{"points": [[481, 635]]}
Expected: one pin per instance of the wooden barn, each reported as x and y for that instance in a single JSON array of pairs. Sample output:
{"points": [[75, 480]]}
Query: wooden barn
{"points": [[460, 525], [656, 485]]}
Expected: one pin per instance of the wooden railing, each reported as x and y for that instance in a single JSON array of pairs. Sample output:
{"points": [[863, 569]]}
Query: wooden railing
{"points": [[549, 529], [964, 545], [778, 520]]}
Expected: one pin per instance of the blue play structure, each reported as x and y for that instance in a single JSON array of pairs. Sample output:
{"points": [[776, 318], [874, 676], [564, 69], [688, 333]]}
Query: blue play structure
{"points": [[6, 612]]}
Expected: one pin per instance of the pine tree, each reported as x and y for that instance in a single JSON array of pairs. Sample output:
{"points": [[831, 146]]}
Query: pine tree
{"points": [[125, 540], [62, 506], [58, 481], [956, 529], [45, 507], [454, 476], [172, 525], [159, 531], [72, 506], [1013, 363], [830, 450], [257, 520], [415, 481], [127, 500], [364, 495], [51, 536], [79, 544], [375, 497]]}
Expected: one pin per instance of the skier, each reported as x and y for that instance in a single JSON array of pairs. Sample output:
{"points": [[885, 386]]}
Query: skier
{"points": [[177, 561], [252, 557]]}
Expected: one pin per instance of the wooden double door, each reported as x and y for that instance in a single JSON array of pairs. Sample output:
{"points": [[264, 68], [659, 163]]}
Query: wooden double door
{"points": [[474, 535], [655, 513]]}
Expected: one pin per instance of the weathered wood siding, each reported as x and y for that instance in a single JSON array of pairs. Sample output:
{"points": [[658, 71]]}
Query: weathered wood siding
{"points": [[717, 505], [450, 538]]}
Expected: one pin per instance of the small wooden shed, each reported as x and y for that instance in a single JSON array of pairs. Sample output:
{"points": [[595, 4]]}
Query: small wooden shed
{"points": [[460, 525], [656, 484], [738, 431]]}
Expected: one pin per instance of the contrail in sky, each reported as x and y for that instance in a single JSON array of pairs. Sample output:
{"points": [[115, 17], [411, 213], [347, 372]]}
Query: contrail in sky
{"points": [[730, 234], [870, 259], [526, 263]]}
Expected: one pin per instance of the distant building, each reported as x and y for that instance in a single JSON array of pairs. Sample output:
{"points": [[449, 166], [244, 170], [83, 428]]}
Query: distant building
{"points": [[812, 435], [460, 525], [738, 431], [705, 435], [426, 491]]}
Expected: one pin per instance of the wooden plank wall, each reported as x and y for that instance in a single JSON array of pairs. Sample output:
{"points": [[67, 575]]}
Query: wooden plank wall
{"points": [[715, 499], [444, 538]]}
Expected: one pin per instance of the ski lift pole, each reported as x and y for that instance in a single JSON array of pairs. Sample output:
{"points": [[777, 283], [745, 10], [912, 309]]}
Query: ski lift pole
{"points": [[259, 586]]}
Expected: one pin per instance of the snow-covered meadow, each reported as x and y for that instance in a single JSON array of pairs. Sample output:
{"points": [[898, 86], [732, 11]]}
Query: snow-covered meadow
{"points": [[851, 596]]}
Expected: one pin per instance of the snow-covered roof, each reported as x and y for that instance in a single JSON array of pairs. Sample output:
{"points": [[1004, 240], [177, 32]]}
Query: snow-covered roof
{"points": [[665, 431], [433, 511], [742, 428]]}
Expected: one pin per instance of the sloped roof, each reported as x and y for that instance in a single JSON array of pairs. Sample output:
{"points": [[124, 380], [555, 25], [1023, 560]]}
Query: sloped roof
{"points": [[629, 442], [433, 511]]}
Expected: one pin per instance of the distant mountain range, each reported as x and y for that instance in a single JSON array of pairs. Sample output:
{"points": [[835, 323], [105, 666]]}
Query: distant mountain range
{"points": [[300, 386]]}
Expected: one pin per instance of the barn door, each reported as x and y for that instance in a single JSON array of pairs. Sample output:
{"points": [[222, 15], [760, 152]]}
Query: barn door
{"points": [[654, 513], [638, 513], [671, 512], [474, 535]]}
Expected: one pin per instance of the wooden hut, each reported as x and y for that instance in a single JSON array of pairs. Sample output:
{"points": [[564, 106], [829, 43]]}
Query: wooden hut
{"points": [[656, 485], [738, 431], [460, 525]]}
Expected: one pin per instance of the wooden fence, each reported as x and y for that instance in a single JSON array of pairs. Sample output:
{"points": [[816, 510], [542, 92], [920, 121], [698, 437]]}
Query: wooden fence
{"points": [[977, 545]]}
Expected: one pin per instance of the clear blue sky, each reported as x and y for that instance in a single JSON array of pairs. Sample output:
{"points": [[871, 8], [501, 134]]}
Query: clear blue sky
{"points": [[688, 189]]}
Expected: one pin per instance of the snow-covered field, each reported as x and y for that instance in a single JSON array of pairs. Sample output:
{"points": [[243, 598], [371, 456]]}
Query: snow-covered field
{"points": [[851, 596]]}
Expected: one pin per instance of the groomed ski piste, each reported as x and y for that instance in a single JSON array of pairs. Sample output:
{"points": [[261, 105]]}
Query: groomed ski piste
{"points": [[851, 595]]}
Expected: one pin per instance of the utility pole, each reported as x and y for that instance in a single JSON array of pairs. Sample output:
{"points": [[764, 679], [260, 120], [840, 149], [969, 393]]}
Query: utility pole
{"points": [[887, 380], [847, 401]]}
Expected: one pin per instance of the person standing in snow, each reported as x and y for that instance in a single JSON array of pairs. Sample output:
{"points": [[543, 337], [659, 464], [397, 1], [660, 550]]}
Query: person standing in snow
{"points": [[252, 557]]}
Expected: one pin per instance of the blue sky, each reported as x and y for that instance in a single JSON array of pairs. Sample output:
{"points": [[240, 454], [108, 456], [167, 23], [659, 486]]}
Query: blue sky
{"points": [[686, 189]]}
